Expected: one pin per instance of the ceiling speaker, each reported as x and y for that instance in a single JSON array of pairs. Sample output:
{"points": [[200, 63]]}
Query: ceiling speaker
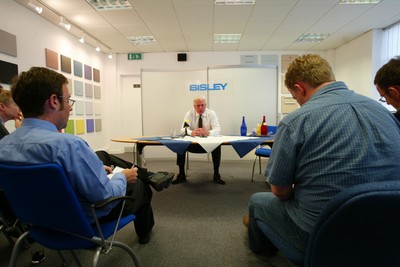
{"points": [[182, 56]]}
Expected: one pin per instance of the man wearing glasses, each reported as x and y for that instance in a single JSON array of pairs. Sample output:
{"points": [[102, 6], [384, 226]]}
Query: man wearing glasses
{"points": [[43, 97], [387, 82]]}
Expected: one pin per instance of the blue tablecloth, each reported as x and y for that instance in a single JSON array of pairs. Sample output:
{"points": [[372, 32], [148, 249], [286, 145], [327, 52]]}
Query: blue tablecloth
{"points": [[179, 146], [242, 147]]}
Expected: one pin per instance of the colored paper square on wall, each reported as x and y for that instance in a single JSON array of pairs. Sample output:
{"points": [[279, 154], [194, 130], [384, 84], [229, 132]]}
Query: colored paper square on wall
{"points": [[88, 90], [97, 123], [51, 59], [66, 64], [97, 92], [97, 108], [78, 68], [80, 126], [88, 72], [90, 125], [96, 75], [89, 108], [69, 85], [79, 108], [70, 129], [78, 87]]}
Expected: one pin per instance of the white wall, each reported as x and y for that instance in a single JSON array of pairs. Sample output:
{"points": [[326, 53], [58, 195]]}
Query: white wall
{"points": [[34, 34], [354, 63]]}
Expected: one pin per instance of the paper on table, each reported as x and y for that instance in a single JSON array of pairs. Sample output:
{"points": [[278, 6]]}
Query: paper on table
{"points": [[116, 169]]}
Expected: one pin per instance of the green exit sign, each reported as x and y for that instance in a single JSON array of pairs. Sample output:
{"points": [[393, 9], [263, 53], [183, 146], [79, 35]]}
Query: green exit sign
{"points": [[134, 56]]}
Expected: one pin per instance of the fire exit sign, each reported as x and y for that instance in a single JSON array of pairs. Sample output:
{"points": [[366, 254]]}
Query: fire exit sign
{"points": [[134, 56]]}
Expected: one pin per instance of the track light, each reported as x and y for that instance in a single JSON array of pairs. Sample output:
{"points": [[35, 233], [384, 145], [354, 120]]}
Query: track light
{"points": [[38, 9], [98, 48], [64, 23], [110, 56], [82, 39]]}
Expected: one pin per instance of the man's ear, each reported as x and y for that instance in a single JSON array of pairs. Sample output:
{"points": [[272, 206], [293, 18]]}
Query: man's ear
{"points": [[54, 102], [394, 92], [300, 88]]}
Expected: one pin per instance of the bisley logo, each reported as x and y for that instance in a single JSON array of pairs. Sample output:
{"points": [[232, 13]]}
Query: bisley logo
{"points": [[208, 87]]}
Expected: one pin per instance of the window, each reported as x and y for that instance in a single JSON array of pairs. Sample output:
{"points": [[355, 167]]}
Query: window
{"points": [[391, 43]]}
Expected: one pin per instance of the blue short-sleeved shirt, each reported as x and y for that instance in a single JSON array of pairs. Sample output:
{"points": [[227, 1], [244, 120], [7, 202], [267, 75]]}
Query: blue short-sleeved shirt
{"points": [[337, 139]]}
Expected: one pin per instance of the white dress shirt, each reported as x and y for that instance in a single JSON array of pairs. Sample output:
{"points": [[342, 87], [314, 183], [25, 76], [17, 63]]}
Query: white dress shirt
{"points": [[210, 122]]}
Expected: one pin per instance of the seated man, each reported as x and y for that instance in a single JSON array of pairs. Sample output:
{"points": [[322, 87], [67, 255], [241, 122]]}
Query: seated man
{"points": [[387, 82], [202, 122], [8, 111], [335, 140], [43, 97]]}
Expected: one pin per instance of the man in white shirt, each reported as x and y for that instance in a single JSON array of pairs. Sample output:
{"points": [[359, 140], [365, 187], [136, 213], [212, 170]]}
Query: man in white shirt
{"points": [[201, 122]]}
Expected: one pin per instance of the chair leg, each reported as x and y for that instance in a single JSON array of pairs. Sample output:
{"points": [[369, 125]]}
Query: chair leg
{"points": [[129, 250], [96, 256], [187, 161], [16, 249], [254, 165], [259, 163]]}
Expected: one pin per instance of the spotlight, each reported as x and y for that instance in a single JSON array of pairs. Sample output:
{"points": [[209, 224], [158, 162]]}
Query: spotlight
{"points": [[110, 56], [82, 39], [38, 9], [64, 23], [98, 48]]}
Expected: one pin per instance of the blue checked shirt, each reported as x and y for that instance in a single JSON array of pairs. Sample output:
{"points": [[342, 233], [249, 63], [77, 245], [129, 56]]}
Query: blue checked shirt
{"points": [[337, 139]]}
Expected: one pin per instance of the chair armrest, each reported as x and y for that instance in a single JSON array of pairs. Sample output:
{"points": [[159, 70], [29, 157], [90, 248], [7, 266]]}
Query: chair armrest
{"points": [[101, 204]]}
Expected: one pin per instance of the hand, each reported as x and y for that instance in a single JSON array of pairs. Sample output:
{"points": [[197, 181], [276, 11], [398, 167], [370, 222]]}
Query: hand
{"points": [[131, 174], [200, 132], [108, 169]]}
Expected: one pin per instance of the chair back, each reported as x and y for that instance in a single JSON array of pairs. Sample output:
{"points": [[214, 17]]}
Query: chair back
{"points": [[358, 227], [272, 129], [42, 196]]}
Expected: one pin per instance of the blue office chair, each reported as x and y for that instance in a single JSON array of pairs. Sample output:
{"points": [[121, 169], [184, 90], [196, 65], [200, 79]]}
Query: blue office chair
{"points": [[42, 197], [358, 227], [263, 151]]}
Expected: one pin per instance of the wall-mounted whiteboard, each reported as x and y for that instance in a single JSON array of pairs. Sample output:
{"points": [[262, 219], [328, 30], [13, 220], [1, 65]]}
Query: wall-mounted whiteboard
{"points": [[231, 91], [250, 92]]}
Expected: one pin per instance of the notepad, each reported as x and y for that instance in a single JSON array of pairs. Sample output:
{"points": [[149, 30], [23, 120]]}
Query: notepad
{"points": [[115, 170]]}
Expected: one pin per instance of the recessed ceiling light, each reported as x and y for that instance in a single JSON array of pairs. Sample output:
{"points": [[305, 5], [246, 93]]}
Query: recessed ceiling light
{"points": [[312, 37], [354, 2], [142, 40], [110, 5], [227, 38], [234, 2]]}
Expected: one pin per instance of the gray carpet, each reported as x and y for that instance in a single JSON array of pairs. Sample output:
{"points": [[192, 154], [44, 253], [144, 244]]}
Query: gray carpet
{"points": [[198, 223]]}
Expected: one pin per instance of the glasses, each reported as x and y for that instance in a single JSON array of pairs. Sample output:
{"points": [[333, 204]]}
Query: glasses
{"points": [[382, 98], [70, 101]]}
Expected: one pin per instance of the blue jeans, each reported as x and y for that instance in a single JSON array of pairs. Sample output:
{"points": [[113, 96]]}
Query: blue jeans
{"points": [[266, 207]]}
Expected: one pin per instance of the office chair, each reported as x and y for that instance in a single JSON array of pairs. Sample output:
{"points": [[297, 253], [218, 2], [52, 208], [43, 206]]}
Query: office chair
{"points": [[263, 151], [358, 227], [42, 197]]}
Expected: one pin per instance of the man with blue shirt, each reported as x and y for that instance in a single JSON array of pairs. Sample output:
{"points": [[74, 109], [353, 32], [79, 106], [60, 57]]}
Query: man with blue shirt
{"points": [[335, 140], [43, 97]]}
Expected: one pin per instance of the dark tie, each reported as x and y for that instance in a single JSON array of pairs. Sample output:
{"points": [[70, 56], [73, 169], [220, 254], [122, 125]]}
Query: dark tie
{"points": [[200, 122]]}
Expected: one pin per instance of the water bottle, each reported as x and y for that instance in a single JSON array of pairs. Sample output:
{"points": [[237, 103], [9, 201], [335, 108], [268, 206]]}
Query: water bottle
{"points": [[243, 128]]}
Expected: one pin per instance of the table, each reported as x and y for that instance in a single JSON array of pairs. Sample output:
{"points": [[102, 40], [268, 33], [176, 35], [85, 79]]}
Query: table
{"points": [[242, 145]]}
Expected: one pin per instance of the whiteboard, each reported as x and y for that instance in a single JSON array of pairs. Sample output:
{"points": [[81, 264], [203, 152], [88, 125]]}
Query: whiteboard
{"points": [[231, 91]]}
